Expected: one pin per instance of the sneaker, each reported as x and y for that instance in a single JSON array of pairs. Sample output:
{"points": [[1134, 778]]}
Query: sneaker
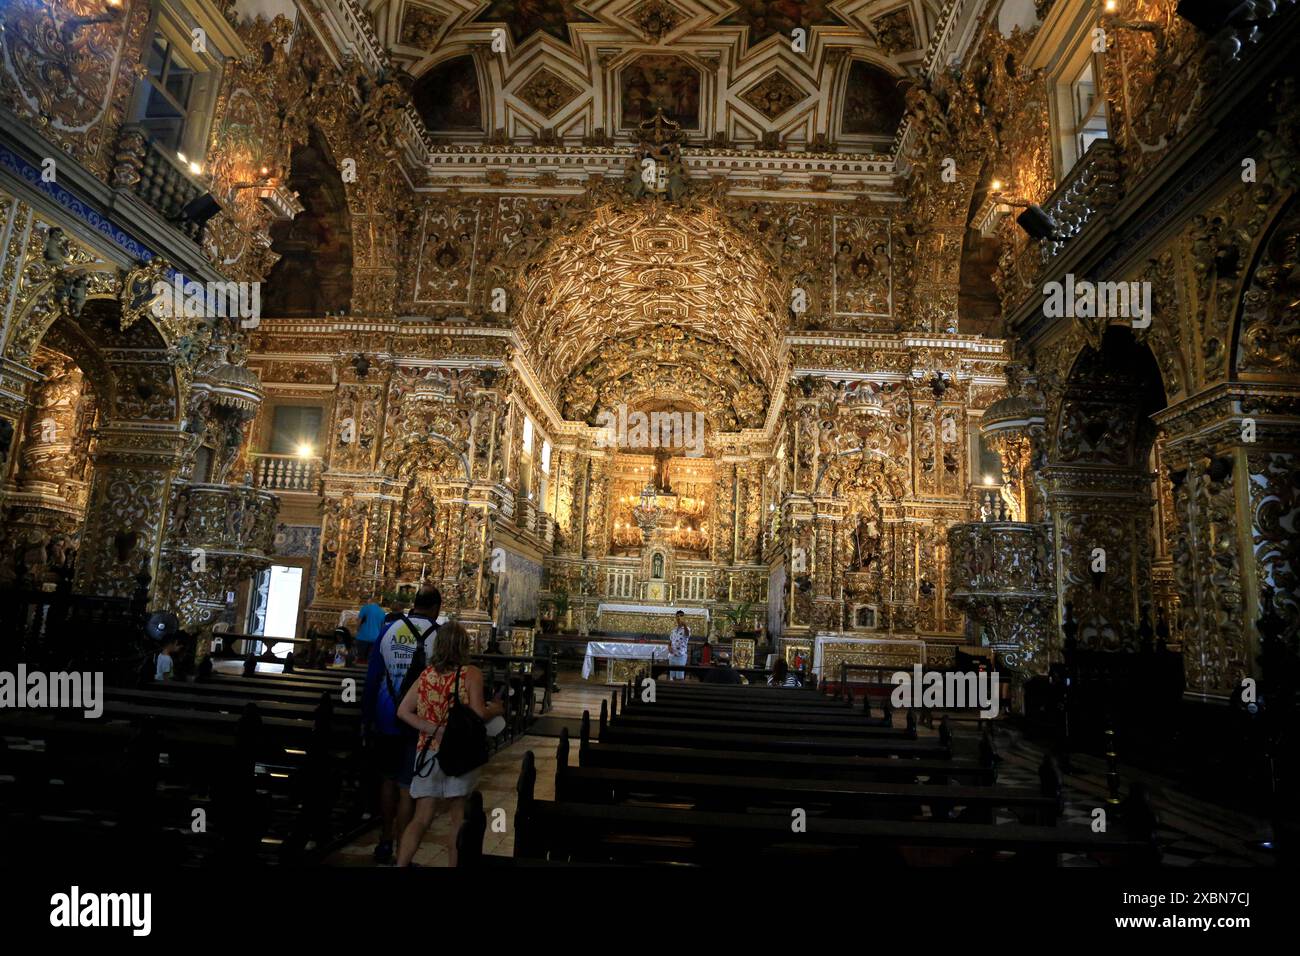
{"points": [[384, 852]]}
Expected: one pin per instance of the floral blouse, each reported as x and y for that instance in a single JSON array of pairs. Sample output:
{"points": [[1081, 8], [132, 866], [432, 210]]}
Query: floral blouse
{"points": [[433, 697]]}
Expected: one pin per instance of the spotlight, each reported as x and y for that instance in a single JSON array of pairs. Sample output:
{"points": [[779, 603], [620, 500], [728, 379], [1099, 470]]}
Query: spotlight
{"points": [[1211, 16], [305, 450], [1037, 223], [196, 169]]}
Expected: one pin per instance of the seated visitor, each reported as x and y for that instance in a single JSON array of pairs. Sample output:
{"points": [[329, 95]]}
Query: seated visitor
{"points": [[781, 676], [722, 672]]}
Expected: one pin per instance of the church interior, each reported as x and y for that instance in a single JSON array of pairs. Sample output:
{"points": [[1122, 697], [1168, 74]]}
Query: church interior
{"points": [[837, 340]]}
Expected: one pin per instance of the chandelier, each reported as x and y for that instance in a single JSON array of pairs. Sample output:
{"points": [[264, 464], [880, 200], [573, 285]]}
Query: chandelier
{"points": [[686, 538], [648, 512], [626, 535]]}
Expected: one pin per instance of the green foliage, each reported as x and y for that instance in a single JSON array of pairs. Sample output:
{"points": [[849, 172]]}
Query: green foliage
{"points": [[739, 614]]}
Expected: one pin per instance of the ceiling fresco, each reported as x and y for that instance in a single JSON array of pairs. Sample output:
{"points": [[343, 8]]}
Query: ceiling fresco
{"points": [[523, 18], [767, 18]]}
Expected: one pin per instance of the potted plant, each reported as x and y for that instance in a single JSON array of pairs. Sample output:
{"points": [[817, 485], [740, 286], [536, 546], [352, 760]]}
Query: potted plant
{"points": [[741, 618]]}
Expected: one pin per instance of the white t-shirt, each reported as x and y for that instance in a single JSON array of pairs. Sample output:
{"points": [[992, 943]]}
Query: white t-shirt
{"points": [[162, 667]]}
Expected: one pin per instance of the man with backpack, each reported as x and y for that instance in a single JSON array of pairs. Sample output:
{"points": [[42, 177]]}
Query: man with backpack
{"points": [[405, 644]]}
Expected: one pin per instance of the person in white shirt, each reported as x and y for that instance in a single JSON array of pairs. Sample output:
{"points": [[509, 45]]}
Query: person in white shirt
{"points": [[679, 640], [164, 666]]}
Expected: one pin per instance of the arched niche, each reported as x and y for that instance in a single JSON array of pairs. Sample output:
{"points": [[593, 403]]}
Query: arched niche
{"points": [[448, 97], [1102, 489]]}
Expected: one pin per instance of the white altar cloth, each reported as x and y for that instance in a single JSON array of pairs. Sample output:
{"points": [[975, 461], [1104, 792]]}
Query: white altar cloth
{"points": [[627, 650]]}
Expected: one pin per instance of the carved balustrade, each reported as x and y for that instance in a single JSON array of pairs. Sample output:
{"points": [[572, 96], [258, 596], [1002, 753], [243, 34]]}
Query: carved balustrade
{"points": [[1093, 187], [291, 473], [142, 166]]}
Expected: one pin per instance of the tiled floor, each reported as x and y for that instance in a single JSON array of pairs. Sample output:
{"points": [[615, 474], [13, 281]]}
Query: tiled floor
{"points": [[1192, 833]]}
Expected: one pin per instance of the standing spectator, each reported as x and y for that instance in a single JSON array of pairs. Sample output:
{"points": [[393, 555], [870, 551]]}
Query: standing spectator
{"points": [[679, 642], [389, 743], [425, 707], [370, 620]]}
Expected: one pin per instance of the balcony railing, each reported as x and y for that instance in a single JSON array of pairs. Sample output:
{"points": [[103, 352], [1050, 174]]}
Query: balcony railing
{"points": [[287, 473], [143, 167], [1094, 186]]}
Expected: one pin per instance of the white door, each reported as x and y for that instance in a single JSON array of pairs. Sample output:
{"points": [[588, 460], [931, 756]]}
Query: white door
{"points": [[282, 605]]}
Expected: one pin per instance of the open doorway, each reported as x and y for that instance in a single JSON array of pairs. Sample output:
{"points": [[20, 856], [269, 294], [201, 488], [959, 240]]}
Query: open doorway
{"points": [[283, 598]]}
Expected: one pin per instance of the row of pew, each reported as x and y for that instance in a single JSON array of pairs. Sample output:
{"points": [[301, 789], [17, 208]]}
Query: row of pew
{"points": [[719, 775], [236, 769]]}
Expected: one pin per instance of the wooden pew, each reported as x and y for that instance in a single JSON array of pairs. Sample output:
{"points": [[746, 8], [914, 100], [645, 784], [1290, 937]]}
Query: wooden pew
{"points": [[649, 717], [713, 710], [269, 773], [848, 798], [304, 710], [789, 742], [623, 833], [787, 765], [232, 689]]}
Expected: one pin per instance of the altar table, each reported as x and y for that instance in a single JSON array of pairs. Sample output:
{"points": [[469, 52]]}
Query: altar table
{"points": [[625, 650], [830, 649]]}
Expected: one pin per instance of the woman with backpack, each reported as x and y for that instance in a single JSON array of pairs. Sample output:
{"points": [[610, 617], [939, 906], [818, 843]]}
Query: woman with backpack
{"points": [[447, 707]]}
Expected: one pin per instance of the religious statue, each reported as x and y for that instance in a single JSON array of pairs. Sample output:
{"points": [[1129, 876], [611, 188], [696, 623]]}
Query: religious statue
{"points": [[866, 542], [662, 459]]}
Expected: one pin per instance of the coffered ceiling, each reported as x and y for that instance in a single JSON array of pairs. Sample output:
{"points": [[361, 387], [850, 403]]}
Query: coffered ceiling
{"points": [[731, 72]]}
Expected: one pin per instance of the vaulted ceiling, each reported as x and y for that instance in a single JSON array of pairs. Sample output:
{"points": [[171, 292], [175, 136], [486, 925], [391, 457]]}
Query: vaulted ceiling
{"points": [[695, 292], [731, 72]]}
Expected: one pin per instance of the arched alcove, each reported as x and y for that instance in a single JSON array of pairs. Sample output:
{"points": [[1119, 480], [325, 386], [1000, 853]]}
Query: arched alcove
{"points": [[314, 273], [447, 97]]}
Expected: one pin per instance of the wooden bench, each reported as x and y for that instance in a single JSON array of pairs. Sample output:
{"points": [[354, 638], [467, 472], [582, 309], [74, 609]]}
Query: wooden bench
{"points": [[789, 742], [694, 759], [850, 798], [625, 833]]}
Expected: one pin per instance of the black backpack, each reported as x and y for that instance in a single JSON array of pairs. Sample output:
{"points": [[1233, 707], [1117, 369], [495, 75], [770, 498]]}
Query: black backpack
{"points": [[415, 668], [464, 740]]}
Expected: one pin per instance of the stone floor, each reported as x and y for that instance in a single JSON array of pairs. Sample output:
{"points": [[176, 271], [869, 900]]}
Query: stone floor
{"points": [[1192, 832]]}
